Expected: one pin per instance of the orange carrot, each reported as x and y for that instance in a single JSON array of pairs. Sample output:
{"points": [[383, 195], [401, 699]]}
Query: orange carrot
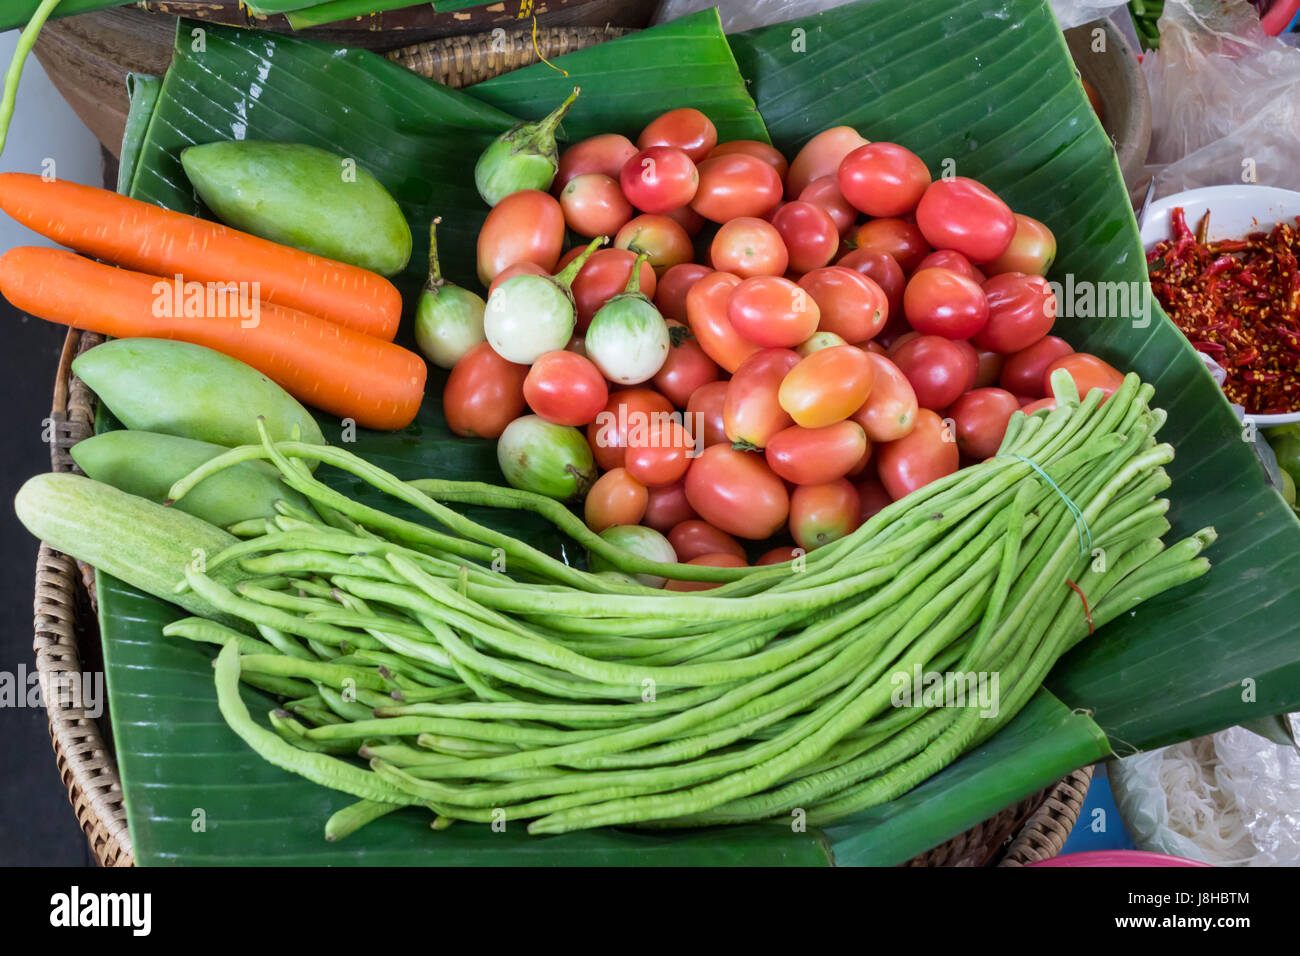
{"points": [[141, 236], [339, 370]]}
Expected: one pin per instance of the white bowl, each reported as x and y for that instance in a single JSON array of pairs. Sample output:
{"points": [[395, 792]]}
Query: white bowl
{"points": [[1234, 211]]}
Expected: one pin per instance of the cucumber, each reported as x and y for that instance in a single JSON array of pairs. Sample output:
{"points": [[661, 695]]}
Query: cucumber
{"points": [[156, 385], [304, 197], [147, 464], [145, 544]]}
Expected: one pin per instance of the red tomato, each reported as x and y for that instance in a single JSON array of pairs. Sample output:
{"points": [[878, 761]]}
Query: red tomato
{"points": [[972, 359], [566, 389], [752, 411], [686, 368], [820, 156], [658, 455], [603, 276], [814, 456], [1039, 405], [484, 393], [772, 312], [947, 259], [518, 269], [872, 498], [686, 217], [818, 341], [704, 414], [825, 192], [722, 560], [820, 514], [526, 226], [736, 185], [658, 179], [896, 237], [737, 492], [686, 129], [925, 454], [662, 239], [706, 313], [1022, 309], [670, 295], [1022, 372], [749, 247], [615, 498], [624, 413], [809, 234], [752, 147], [779, 556], [943, 302], [882, 269], [883, 179], [937, 369], [889, 412], [667, 507], [827, 386], [694, 537], [607, 154], [1032, 250], [966, 216], [989, 367], [1088, 372], [980, 418], [594, 205]]}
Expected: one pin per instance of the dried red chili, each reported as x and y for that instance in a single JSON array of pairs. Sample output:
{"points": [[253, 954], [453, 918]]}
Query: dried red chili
{"points": [[1237, 300]]}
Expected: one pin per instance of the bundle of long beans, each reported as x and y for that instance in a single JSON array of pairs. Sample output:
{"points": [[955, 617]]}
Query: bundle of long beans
{"points": [[487, 681]]}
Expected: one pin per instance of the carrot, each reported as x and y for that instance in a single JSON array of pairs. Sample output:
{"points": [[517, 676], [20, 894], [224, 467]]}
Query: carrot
{"points": [[141, 236], [339, 370]]}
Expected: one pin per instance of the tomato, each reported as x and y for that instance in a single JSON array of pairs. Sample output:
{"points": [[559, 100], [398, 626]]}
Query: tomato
{"points": [[736, 185], [627, 411], [825, 192], [889, 412], [937, 369], [988, 368], [606, 154], [779, 556], [820, 514], [1022, 309], [818, 341], [1088, 372], [749, 247], [980, 418], [686, 129], [752, 147], [882, 269], [752, 412], [1022, 372], [896, 237], [594, 205], [772, 311], [737, 492], [662, 239], [948, 259], [809, 234], [615, 498], [814, 456], [658, 455], [923, 455], [706, 313], [899, 342], [526, 226], [943, 302], [658, 179], [686, 368], [820, 156], [827, 386], [667, 507], [518, 269], [1039, 405], [565, 389], [883, 179], [602, 277], [971, 358], [966, 216], [686, 217], [872, 499], [704, 414], [721, 560], [1031, 251], [694, 537], [670, 294], [484, 393]]}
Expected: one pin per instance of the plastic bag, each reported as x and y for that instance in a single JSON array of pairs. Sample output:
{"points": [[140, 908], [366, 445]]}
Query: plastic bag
{"points": [[1225, 100], [1230, 799]]}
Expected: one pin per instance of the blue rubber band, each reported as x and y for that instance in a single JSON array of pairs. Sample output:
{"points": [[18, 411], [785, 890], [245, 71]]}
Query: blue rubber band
{"points": [[1080, 523]]}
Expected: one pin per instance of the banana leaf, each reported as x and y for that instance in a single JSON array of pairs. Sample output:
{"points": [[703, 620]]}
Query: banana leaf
{"points": [[16, 13]]}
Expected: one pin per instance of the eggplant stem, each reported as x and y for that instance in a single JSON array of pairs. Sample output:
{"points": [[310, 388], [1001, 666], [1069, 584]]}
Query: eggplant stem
{"points": [[552, 119], [565, 277], [634, 280], [435, 280]]}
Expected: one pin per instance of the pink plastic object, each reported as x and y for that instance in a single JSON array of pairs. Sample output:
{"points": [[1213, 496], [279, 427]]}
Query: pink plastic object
{"points": [[1117, 858]]}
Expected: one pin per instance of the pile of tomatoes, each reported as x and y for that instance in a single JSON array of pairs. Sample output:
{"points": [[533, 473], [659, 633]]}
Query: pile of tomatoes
{"points": [[854, 330]]}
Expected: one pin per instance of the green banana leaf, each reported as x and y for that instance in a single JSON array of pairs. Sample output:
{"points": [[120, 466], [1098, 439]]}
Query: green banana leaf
{"points": [[334, 10], [16, 13]]}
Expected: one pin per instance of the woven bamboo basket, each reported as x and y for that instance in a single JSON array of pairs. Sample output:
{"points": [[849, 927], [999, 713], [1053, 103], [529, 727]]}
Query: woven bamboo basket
{"points": [[67, 634]]}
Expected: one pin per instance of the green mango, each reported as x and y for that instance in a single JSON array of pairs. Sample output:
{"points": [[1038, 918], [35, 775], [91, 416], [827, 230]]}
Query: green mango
{"points": [[147, 464], [304, 197], [157, 385]]}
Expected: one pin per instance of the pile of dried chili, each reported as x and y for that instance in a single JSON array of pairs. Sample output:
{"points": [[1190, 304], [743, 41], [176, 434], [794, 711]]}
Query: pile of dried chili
{"points": [[1238, 301]]}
